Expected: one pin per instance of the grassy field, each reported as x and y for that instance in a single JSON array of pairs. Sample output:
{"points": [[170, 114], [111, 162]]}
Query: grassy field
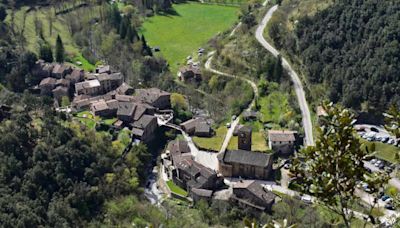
{"points": [[258, 142], [214, 143], [384, 151], [182, 32], [274, 107], [176, 189], [59, 28]]}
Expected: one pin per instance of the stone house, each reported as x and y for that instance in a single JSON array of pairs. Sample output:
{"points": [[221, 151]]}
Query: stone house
{"points": [[47, 85], [145, 127], [90, 87], [103, 69], [246, 164], [195, 178], [250, 194], [104, 108], [198, 127], [42, 69], [60, 70], [110, 82], [59, 92], [281, 141], [75, 76], [154, 97], [189, 73]]}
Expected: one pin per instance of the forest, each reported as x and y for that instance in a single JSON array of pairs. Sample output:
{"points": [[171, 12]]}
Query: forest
{"points": [[352, 48]]}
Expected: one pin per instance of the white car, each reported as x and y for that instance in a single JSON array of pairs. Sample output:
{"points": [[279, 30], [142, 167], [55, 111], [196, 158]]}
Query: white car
{"points": [[306, 199], [228, 125]]}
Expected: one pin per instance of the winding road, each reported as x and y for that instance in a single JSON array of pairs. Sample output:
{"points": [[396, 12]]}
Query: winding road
{"points": [[305, 111]]}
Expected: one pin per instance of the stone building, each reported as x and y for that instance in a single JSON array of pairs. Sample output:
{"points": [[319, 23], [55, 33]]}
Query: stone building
{"points": [[282, 142]]}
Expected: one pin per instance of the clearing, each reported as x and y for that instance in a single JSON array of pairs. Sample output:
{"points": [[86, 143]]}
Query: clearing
{"points": [[60, 27], [214, 143], [188, 27]]}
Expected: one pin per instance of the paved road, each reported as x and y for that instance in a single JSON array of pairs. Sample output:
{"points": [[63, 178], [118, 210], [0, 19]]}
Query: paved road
{"points": [[307, 124], [253, 85]]}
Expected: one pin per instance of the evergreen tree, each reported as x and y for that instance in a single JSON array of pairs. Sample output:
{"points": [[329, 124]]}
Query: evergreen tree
{"points": [[146, 50], [278, 69], [60, 52], [46, 53], [123, 28], [3, 13]]}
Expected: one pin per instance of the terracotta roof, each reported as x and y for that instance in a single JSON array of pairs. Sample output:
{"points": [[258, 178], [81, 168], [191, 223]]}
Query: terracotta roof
{"points": [[281, 136]]}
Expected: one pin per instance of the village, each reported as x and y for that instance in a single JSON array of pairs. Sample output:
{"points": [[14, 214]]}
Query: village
{"points": [[231, 175]]}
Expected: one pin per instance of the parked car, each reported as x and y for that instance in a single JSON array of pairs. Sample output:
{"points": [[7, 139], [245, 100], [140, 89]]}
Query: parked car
{"points": [[389, 207], [286, 166], [374, 129], [385, 197], [228, 125], [373, 161], [234, 117], [306, 199]]}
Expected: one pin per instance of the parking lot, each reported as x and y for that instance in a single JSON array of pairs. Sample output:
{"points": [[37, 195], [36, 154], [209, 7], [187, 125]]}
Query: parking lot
{"points": [[374, 133]]}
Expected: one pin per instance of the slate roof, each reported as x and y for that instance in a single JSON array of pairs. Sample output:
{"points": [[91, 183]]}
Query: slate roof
{"points": [[113, 104], [202, 192], [126, 108], [48, 81], [178, 146], [258, 191], [143, 122], [281, 136], [87, 84], [246, 157], [61, 89], [137, 132], [99, 105], [59, 69], [150, 95]]}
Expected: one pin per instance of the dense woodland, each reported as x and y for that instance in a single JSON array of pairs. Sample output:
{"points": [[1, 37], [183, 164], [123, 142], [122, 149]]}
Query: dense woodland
{"points": [[352, 47]]}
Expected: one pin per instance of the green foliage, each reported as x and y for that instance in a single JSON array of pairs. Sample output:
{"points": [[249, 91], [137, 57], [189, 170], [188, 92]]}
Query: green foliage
{"points": [[176, 189], [63, 170], [334, 164], [187, 28], [392, 121], [60, 52], [358, 63], [3, 13], [65, 101], [46, 53]]}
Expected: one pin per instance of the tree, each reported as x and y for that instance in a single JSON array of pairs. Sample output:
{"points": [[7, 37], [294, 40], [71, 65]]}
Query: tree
{"points": [[46, 53], [334, 165], [3, 13], [60, 52], [278, 69], [392, 121], [146, 50]]}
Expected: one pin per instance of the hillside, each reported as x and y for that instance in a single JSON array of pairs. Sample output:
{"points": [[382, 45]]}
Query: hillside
{"points": [[352, 49]]}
